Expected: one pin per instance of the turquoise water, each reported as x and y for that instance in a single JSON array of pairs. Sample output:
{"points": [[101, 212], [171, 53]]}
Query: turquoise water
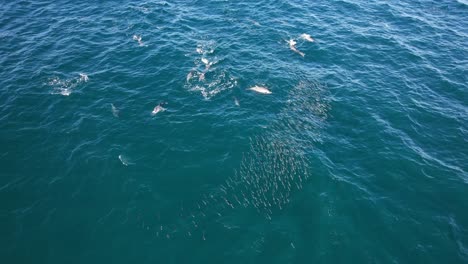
{"points": [[359, 154]]}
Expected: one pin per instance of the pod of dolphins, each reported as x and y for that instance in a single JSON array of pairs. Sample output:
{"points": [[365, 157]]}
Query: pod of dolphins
{"points": [[270, 172]]}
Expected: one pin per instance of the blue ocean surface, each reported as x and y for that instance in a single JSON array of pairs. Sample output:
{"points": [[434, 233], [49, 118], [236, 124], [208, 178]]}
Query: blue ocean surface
{"points": [[190, 131]]}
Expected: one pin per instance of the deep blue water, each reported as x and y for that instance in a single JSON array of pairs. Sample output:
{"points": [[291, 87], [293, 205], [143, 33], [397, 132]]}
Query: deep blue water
{"points": [[358, 155]]}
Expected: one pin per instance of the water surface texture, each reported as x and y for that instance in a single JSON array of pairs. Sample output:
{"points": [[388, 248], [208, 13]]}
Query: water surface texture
{"points": [[129, 134]]}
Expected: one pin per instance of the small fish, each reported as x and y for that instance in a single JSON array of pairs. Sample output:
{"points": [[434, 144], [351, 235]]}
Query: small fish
{"points": [[307, 37], [260, 89], [158, 109], [115, 111]]}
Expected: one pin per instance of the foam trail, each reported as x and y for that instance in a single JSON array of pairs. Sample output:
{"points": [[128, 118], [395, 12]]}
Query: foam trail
{"points": [[125, 161]]}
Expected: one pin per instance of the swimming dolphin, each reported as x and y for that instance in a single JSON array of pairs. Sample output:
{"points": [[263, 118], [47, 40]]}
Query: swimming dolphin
{"points": [[292, 45], [189, 76], [260, 89], [255, 22], [207, 63], [306, 37], [158, 109], [201, 77], [115, 111]]}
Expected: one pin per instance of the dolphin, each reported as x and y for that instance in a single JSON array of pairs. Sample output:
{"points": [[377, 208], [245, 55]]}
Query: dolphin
{"points": [[158, 109], [201, 77], [115, 111], [207, 63], [306, 37], [260, 89], [292, 45], [189, 76]]}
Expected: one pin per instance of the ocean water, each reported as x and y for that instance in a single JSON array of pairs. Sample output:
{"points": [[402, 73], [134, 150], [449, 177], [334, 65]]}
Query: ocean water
{"points": [[129, 134]]}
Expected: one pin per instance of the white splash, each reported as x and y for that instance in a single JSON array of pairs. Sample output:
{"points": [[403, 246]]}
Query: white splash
{"points": [[66, 87], [292, 45], [65, 91], [292, 42], [204, 76], [218, 82], [138, 39], [206, 47], [84, 77]]}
